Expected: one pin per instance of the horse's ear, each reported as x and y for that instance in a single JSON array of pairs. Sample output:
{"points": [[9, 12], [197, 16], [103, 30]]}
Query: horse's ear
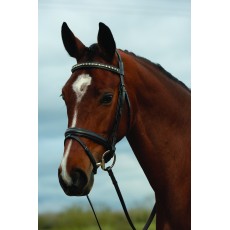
{"points": [[72, 44], [106, 41]]}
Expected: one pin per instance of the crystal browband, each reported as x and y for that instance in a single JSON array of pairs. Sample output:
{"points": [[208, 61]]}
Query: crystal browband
{"points": [[95, 65]]}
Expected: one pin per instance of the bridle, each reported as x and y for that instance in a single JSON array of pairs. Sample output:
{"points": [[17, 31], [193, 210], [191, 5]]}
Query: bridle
{"points": [[109, 144]]}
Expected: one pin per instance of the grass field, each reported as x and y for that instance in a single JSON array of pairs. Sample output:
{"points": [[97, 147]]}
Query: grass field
{"points": [[79, 219]]}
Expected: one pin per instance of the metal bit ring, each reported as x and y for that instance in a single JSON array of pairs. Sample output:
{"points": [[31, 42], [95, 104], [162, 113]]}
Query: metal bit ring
{"points": [[102, 164]]}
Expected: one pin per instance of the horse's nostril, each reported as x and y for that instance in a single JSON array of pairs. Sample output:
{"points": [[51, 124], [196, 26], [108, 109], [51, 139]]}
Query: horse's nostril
{"points": [[79, 178], [76, 177]]}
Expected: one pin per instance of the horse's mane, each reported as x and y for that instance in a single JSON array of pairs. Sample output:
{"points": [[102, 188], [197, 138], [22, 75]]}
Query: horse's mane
{"points": [[158, 66]]}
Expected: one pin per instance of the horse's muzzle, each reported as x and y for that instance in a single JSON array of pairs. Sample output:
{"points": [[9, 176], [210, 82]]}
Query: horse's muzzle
{"points": [[80, 185]]}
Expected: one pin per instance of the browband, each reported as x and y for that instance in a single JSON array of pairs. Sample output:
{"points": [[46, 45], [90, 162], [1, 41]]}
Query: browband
{"points": [[95, 65]]}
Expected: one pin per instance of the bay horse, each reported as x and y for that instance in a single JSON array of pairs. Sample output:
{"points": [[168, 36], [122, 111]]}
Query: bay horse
{"points": [[113, 93]]}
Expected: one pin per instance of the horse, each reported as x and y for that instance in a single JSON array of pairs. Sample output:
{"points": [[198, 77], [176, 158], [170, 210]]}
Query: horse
{"points": [[113, 93]]}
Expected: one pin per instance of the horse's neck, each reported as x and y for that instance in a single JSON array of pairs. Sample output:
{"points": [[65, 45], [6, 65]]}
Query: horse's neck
{"points": [[160, 133]]}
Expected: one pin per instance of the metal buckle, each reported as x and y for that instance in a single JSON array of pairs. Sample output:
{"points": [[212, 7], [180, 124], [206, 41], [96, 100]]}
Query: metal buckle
{"points": [[102, 163]]}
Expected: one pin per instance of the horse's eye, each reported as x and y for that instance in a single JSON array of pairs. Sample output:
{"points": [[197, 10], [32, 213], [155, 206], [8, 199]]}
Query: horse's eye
{"points": [[107, 98]]}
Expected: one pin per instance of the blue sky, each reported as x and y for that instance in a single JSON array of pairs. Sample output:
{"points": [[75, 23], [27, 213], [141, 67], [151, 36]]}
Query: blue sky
{"points": [[157, 30]]}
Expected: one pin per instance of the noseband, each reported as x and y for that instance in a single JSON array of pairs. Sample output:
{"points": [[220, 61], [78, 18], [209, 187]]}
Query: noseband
{"points": [[109, 144]]}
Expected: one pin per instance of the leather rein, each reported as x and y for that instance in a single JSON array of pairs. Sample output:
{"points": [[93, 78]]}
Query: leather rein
{"points": [[109, 144]]}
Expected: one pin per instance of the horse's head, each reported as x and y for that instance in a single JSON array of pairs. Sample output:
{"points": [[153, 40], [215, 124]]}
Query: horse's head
{"points": [[94, 97]]}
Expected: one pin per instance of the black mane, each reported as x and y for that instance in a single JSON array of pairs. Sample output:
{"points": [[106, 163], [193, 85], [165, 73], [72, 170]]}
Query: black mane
{"points": [[169, 75]]}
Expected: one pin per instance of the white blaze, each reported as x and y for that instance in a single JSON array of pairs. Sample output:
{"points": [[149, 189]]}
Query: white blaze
{"points": [[79, 87]]}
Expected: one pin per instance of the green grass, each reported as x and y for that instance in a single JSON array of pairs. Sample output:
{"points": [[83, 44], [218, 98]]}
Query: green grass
{"points": [[79, 219]]}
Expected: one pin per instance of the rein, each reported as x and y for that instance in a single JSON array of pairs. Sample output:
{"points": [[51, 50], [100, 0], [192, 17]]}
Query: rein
{"points": [[109, 144]]}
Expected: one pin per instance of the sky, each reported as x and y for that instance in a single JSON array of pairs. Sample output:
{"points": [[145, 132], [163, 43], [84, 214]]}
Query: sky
{"points": [[158, 30]]}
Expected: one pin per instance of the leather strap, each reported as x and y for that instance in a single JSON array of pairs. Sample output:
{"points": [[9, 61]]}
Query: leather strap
{"points": [[88, 134], [151, 216], [87, 151], [110, 172], [95, 65]]}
